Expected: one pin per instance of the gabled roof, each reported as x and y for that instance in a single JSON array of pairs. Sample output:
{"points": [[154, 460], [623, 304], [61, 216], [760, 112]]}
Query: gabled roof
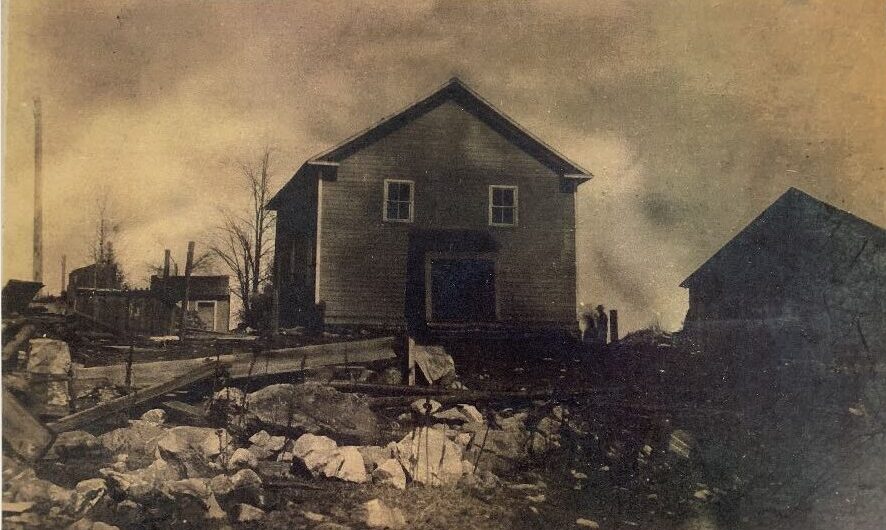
{"points": [[454, 90], [795, 229]]}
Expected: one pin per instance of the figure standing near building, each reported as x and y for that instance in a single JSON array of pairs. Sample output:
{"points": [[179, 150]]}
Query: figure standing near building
{"points": [[588, 330], [601, 326]]}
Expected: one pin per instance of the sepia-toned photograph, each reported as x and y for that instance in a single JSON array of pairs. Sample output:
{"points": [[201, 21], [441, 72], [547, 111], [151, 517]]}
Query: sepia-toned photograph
{"points": [[443, 264]]}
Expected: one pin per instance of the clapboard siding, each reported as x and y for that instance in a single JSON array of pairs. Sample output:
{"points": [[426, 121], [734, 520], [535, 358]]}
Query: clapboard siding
{"points": [[452, 157]]}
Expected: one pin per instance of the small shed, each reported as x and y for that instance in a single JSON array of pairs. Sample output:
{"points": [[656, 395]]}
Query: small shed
{"points": [[802, 279]]}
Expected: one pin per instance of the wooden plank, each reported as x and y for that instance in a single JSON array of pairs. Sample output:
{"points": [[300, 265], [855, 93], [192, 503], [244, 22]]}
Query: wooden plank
{"points": [[193, 414], [273, 362], [22, 431], [19, 341], [85, 417]]}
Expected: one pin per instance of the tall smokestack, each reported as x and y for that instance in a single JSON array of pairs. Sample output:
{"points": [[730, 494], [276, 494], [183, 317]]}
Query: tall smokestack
{"points": [[38, 192]]}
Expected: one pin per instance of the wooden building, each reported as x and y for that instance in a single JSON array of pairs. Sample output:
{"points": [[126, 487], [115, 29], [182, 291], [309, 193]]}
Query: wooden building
{"points": [[98, 292], [447, 213], [802, 279]]}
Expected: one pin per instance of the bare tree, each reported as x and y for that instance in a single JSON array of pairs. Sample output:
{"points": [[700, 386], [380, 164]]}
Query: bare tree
{"points": [[101, 246], [243, 241]]}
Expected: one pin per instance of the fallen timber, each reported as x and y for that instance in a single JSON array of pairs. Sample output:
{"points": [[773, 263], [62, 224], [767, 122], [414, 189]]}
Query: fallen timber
{"points": [[477, 396], [24, 433], [244, 365], [85, 417]]}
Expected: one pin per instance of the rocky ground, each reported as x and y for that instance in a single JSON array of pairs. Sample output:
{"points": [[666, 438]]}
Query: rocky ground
{"points": [[657, 449]]}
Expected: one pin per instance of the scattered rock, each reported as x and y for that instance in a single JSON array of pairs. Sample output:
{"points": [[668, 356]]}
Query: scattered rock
{"points": [[141, 485], [314, 451], [425, 406], [138, 441], [390, 472], [430, 458], [130, 513], [463, 413], [376, 514], [49, 357], [88, 494], [374, 455], [247, 513], [702, 494], [88, 524], [242, 458], [312, 516], [245, 478], [587, 523], [536, 498], [346, 463], [155, 416], [76, 444], [313, 408]]}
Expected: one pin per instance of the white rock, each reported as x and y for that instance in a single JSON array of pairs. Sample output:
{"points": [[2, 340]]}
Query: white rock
{"points": [[587, 523], [430, 458], [245, 478], [313, 516], [247, 513], [49, 356], [390, 472], [155, 416], [421, 406], [308, 443], [242, 458], [346, 463], [378, 515], [260, 438]]}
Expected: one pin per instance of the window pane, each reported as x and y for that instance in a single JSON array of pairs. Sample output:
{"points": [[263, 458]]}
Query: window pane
{"points": [[507, 197], [507, 216], [391, 210]]}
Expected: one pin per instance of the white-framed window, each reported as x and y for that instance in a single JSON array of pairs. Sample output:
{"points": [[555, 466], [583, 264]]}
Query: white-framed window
{"points": [[399, 205], [503, 208]]}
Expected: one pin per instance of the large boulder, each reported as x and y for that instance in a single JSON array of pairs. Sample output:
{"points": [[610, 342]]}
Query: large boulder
{"points": [[462, 413], [48, 357], [376, 514], [312, 408], [390, 472], [138, 441], [88, 494], [193, 500], [76, 444], [141, 485], [430, 458], [191, 449], [322, 456]]}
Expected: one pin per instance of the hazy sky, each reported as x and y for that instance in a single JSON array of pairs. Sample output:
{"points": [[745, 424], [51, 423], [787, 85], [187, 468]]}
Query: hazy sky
{"points": [[693, 115]]}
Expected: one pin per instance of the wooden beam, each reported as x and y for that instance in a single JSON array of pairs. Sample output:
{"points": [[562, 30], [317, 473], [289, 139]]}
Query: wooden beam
{"points": [[272, 362], [193, 414], [21, 337], [85, 417], [183, 318], [24, 433]]}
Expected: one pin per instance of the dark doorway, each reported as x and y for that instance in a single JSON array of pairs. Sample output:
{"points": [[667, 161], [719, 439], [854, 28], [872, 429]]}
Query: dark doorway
{"points": [[462, 290]]}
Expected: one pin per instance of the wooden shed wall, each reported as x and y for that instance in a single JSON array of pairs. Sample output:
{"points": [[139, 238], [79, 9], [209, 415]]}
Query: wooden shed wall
{"points": [[452, 157]]}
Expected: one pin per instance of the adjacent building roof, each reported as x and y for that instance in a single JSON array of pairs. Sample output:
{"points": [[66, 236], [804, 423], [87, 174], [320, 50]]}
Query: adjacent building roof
{"points": [[201, 287], [454, 90], [797, 232]]}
